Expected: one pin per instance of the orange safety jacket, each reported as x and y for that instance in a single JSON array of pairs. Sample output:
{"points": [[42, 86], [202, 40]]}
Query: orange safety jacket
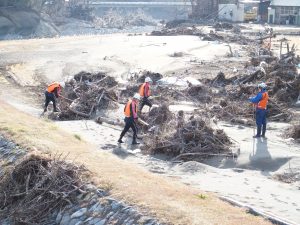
{"points": [[51, 87], [145, 90], [131, 109], [263, 102]]}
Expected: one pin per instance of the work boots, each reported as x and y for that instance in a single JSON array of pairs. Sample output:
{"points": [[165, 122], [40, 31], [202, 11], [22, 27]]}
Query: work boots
{"points": [[134, 142], [258, 132], [120, 141], [264, 128], [121, 136]]}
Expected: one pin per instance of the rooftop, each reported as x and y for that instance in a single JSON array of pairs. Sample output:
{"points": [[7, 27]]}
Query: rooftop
{"points": [[285, 3]]}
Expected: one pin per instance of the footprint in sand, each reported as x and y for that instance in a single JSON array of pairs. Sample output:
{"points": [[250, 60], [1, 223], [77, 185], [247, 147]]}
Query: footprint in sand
{"points": [[281, 201], [267, 207], [298, 209], [294, 204]]}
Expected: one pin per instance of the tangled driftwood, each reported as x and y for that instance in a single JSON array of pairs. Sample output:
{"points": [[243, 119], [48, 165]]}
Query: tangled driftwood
{"points": [[38, 186], [87, 93], [185, 139]]}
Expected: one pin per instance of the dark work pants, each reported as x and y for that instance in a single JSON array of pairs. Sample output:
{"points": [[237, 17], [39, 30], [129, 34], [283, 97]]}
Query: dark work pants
{"points": [[50, 98], [145, 101], [261, 121], [129, 123]]}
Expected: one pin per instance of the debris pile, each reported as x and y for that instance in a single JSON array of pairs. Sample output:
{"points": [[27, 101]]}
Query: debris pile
{"points": [[280, 74], [85, 94], [289, 177], [136, 79], [177, 31], [294, 132], [160, 116], [154, 76], [34, 188], [199, 93], [193, 139], [122, 19]]}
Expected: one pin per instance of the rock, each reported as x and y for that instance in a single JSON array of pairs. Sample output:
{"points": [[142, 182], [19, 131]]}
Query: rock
{"points": [[130, 222], [96, 208], [46, 29], [65, 219], [79, 213], [75, 222], [6, 26], [109, 215], [102, 222], [115, 205], [94, 221], [58, 217], [88, 219], [145, 220], [25, 21], [101, 193]]}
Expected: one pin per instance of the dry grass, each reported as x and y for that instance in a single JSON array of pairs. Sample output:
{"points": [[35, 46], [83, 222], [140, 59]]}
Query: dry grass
{"points": [[165, 198]]}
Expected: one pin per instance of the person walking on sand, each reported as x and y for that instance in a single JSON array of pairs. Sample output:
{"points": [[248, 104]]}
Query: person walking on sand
{"points": [[261, 101], [131, 117], [145, 93], [53, 92]]}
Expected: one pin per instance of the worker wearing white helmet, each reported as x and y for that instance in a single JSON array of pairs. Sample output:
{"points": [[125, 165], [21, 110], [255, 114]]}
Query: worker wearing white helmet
{"points": [[261, 101], [131, 116], [53, 92], [145, 93]]}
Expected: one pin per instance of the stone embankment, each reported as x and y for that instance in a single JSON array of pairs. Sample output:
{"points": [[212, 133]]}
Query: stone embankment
{"points": [[94, 206]]}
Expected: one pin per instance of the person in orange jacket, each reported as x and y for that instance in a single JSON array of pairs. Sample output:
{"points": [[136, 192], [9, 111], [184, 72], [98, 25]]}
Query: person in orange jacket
{"points": [[145, 93], [131, 116], [53, 92], [261, 102]]}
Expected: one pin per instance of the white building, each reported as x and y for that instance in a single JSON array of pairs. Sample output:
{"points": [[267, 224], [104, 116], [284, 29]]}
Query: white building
{"points": [[284, 12], [231, 12]]}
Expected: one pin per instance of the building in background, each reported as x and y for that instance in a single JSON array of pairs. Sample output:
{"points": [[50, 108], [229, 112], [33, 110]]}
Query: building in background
{"points": [[204, 9], [239, 10], [263, 11], [284, 12]]}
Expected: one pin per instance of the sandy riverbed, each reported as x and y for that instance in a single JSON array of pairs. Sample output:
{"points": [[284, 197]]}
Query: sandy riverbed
{"points": [[249, 179]]}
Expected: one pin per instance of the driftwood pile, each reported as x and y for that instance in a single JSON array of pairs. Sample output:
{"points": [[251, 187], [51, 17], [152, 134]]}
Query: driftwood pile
{"points": [[136, 79], [178, 31], [279, 73], [191, 139], [159, 116], [187, 29], [36, 187], [87, 93], [294, 132]]}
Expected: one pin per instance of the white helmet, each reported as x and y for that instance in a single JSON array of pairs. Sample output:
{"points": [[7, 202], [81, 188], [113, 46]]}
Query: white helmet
{"points": [[62, 84], [137, 96], [148, 79], [262, 86]]}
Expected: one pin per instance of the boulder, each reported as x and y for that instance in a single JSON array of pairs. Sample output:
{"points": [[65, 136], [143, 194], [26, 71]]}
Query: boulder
{"points": [[6, 26]]}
